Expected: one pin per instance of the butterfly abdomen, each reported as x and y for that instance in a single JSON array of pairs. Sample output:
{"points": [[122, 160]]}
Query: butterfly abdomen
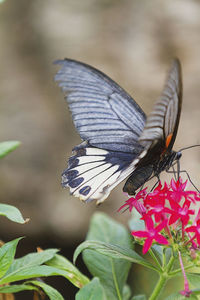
{"points": [[137, 179]]}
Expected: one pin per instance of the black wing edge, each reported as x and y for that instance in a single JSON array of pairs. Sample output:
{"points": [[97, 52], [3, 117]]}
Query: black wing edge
{"points": [[176, 65]]}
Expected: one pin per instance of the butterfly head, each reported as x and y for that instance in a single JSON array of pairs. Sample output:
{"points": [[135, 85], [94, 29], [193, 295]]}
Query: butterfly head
{"points": [[178, 155], [167, 160]]}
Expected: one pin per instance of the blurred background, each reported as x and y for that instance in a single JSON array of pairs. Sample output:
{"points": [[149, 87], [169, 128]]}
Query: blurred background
{"points": [[133, 42]]}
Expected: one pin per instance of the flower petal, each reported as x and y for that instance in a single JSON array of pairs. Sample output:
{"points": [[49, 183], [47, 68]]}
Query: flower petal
{"points": [[147, 245], [142, 234], [161, 239]]}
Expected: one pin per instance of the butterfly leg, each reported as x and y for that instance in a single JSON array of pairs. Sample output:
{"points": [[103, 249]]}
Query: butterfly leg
{"points": [[178, 168], [190, 180], [173, 169], [174, 172], [188, 176], [157, 182]]}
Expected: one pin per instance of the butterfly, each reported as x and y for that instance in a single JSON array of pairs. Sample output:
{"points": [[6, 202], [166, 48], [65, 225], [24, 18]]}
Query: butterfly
{"points": [[119, 140]]}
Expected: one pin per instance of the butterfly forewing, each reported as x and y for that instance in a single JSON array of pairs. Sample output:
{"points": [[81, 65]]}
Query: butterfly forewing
{"points": [[103, 113], [159, 133], [162, 123]]}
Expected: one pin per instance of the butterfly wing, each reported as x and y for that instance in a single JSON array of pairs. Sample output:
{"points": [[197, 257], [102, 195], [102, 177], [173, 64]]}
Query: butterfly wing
{"points": [[93, 172], [162, 123], [110, 122], [103, 113], [159, 132]]}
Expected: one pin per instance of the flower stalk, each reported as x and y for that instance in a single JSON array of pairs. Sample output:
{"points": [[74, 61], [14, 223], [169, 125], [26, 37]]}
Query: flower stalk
{"points": [[163, 278], [159, 287]]}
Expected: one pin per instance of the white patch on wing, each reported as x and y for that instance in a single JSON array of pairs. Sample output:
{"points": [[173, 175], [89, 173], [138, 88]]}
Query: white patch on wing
{"points": [[98, 166], [142, 154], [95, 151], [89, 175], [89, 159], [102, 182], [105, 191], [96, 182]]}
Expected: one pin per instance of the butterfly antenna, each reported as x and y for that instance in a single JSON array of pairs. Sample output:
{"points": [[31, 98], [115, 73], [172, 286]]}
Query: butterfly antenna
{"points": [[189, 147]]}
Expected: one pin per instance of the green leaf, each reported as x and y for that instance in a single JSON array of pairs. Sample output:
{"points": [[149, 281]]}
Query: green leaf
{"points": [[16, 288], [158, 251], [139, 297], [194, 279], [175, 296], [30, 260], [193, 297], [32, 272], [75, 276], [178, 296], [52, 293], [113, 251], [91, 291], [7, 254], [112, 272], [126, 293], [7, 147], [168, 254], [12, 213]]}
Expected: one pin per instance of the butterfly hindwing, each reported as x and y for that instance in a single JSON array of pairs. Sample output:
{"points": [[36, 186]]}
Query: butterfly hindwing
{"points": [[92, 172]]}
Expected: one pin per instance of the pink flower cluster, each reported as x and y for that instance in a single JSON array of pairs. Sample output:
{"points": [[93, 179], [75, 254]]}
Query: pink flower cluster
{"points": [[165, 210]]}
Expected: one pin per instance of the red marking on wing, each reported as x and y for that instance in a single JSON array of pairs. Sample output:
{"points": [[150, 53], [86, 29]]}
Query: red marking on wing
{"points": [[168, 140]]}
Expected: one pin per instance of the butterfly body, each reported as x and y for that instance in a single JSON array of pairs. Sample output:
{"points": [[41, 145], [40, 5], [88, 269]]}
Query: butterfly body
{"points": [[155, 161], [119, 141]]}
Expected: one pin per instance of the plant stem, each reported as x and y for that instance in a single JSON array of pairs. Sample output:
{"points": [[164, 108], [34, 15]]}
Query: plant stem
{"points": [[162, 280], [160, 285], [155, 259], [170, 264], [164, 259], [175, 272]]}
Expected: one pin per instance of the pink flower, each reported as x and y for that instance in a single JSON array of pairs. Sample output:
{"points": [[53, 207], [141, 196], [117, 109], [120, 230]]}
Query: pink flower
{"points": [[151, 233], [161, 193], [178, 191], [164, 206], [186, 292], [134, 202], [196, 230], [155, 202], [177, 212]]}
